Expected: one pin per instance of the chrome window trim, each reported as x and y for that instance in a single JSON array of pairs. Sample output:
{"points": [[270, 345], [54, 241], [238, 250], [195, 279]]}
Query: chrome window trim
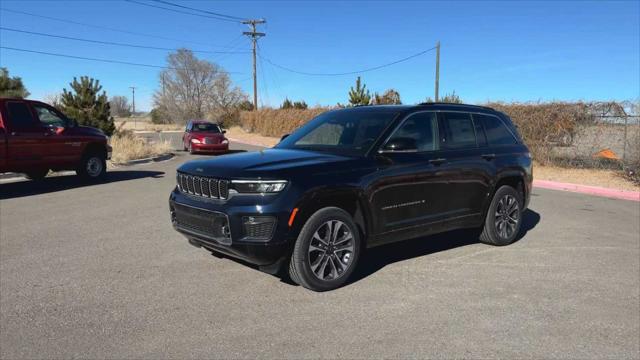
{"points": [[381, 151], [504, 124]]}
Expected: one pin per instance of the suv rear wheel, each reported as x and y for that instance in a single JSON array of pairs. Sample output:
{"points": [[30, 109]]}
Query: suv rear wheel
{"points": [[93, 166], [326, 251], [504, 217]]}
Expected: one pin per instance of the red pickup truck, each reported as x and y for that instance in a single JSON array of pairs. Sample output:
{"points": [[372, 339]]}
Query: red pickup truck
{"points": [[36, 138]]}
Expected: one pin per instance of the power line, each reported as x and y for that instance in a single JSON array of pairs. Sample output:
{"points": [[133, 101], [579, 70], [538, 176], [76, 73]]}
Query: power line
{"points": [[349, 72], [116, 43], [97, 59], [181, 12], [104, 27], [200, 10]]}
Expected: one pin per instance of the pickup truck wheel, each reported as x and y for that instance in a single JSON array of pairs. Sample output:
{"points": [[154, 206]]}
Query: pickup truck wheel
{"points": [[37, 175], [326, 251], [504, 217], [93, 167]]}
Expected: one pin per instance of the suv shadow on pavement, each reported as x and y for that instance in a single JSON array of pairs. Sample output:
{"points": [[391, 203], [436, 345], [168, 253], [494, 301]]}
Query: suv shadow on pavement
{"points": [[377, 258], [67, 182]]}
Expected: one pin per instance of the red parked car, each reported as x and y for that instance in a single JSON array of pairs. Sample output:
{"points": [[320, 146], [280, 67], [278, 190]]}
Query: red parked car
{"points": [[36, 138], [204, 137]]}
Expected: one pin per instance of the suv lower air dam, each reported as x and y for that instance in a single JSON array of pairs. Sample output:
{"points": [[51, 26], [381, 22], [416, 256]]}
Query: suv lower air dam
{"points": [[204, 224]]}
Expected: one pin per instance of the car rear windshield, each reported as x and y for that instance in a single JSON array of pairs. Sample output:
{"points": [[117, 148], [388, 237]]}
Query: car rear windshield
{"points": [[342, 132], [212, 128]]}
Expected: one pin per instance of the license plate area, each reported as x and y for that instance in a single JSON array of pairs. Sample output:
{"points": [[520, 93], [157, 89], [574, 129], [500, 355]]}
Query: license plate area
{"points": [[211, 225]]}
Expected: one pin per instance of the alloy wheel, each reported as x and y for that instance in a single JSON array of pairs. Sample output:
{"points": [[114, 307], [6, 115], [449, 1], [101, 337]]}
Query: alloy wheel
{"points": [[507, 216], [331, 250]]}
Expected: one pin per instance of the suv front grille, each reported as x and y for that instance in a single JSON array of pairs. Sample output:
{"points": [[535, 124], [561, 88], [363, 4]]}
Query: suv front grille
{"points": [[203, 186]]}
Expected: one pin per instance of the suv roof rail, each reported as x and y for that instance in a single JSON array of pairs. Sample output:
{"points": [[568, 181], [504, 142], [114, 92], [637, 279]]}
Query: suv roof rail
{"points": [[456, 104]]}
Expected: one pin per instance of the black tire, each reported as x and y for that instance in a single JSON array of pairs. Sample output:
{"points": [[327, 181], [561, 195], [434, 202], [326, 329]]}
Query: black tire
{"points": [[300, 267], [37, 174], [190, 149], [93, 167], [500, 229]]}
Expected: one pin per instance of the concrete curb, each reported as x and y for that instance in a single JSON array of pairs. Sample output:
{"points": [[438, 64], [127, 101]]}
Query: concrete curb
{"points": [[590, 190], [158, 158]]}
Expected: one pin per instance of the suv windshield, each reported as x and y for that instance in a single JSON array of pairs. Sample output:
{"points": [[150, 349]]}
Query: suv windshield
{"points": [[344, 132], [203, 127]]}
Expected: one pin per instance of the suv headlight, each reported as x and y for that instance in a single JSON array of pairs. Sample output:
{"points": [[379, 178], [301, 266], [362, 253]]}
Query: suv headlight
{"points": [[258, 186]]}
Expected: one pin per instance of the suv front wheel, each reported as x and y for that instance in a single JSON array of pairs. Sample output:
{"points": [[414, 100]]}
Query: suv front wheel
{"points": [[504, 217], [326, 251]]}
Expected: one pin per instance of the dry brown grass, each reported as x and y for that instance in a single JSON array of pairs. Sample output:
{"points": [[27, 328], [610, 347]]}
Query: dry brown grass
{"points": [[277, 122], [127, 146], [238, 133], [144, 124], [594, 177]]}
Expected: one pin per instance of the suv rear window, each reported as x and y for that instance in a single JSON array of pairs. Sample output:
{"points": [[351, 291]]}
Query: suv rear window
{"points": [[20, 115], [457, 131], [497, 132]]}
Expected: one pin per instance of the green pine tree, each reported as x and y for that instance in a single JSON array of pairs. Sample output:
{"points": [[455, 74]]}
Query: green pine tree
{"points": [[87, 105], [302, 105], [286, 104], [11, 86], [360, 95]]}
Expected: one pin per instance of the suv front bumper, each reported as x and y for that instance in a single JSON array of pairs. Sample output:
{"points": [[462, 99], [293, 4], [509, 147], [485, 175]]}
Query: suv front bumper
{"points": [[222, 226]]}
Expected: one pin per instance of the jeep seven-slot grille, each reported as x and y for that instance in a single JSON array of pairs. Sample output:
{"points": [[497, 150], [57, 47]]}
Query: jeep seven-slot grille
{"points": [[203, 186]]}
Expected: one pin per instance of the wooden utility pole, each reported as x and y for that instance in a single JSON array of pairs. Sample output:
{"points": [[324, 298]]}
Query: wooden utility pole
{"points": [[437, 69], [133, 106], [254, 37]]}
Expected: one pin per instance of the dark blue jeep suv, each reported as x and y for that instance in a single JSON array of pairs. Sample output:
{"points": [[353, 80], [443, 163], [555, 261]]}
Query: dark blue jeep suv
{"points": [[355, 178]]}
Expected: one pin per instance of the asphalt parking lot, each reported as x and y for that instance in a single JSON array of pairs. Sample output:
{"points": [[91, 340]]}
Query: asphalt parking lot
{"points": [[98, 272]]}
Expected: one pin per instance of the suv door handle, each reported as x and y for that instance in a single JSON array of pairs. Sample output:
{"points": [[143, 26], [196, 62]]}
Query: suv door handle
{"points": [[437, 161], [488, 157]]}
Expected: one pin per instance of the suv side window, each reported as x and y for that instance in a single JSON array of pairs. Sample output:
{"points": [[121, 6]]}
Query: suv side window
{"points": [[49, 117], [457, 131], [422, 127], [20, 116], [497, 132]]}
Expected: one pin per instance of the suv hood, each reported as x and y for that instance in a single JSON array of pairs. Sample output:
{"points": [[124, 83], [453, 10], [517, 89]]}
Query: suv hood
{"points": [[269, 163]]}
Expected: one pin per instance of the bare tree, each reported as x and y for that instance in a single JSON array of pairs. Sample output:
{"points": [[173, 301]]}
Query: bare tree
{"points": [[191, 88], [389, 97], [53, 99], [226, 99], [120, 106]]}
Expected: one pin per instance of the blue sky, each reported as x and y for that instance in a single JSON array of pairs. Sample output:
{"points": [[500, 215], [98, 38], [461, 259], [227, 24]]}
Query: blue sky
{"points": [[509, 51]]}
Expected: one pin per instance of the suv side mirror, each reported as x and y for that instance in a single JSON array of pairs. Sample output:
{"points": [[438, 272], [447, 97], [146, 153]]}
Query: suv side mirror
{"points": [[400, 144], [224, 131], [284, 137]]}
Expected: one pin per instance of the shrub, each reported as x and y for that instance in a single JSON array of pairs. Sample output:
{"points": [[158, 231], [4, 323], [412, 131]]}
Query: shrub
{"points": [[277, 122], [541, 123], [158, 116]]}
